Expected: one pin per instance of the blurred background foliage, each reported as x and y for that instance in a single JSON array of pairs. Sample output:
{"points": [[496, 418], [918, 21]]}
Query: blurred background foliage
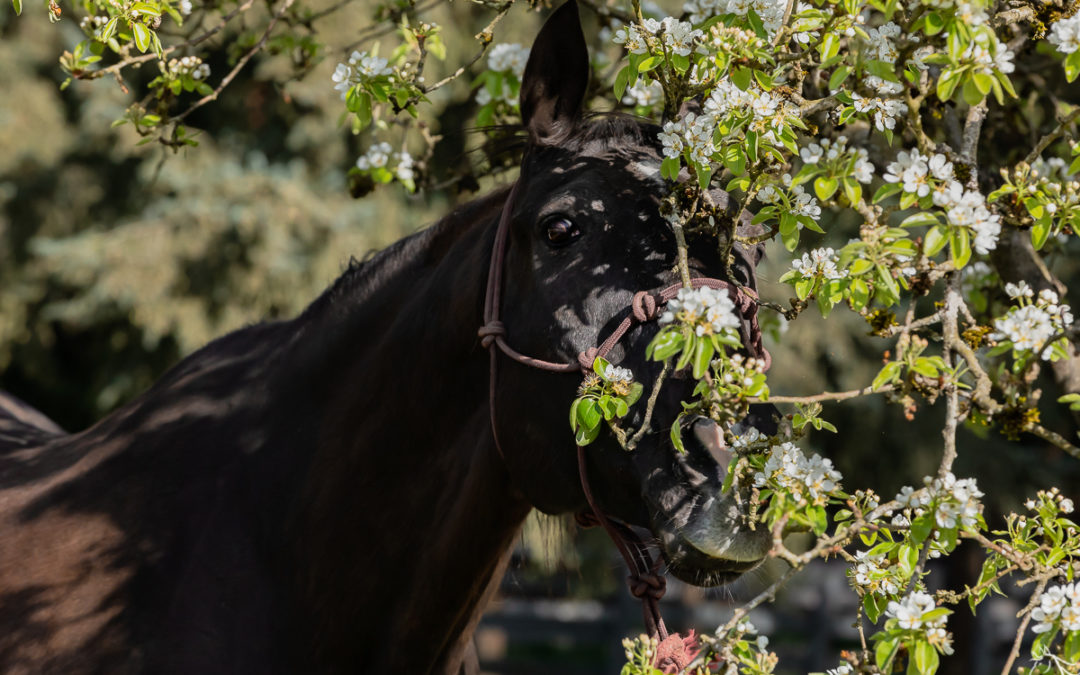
{"points": [[116, 260]]}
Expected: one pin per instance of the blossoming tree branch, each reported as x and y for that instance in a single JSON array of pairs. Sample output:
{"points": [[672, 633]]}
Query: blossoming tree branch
{"points": [[811, 114]]}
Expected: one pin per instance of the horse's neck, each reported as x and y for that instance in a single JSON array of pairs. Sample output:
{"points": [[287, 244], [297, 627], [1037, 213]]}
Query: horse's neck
{"points": [[407, 507]]}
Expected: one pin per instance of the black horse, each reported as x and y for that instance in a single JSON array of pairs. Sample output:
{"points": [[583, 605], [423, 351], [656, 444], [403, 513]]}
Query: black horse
{"points": [[325, 494]]}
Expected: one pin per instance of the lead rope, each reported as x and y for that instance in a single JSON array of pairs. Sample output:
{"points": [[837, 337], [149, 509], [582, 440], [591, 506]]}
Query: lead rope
{"points": [[645, 581]]}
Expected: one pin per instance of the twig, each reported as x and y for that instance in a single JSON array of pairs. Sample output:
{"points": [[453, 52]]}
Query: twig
{"points": [[1053, 437], [239, 64], [1049, 138], [149, 56], [824, 396], [485, 37], [649, 406], [1023, 627], [952, 337]]}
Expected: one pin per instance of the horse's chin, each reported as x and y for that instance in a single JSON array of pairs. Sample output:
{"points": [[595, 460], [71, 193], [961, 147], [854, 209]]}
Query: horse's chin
{"points": [[704, 534]]}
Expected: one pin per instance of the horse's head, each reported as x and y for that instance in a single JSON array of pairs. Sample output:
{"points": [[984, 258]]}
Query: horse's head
{"points": [[586, 234]]}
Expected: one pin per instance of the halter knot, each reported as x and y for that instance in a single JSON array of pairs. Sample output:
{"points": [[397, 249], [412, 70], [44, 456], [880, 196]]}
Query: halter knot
{"points": [[644, 306], [489, 331], [648, 585], [587, 358]]}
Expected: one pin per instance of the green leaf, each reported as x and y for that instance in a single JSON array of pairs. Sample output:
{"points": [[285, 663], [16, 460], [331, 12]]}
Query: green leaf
{"points": [[142, 36], [921, 528], [947, 83], [883, 69], [600, 366], [971, 93], [936, 238], [589, 414], [689, 349], [933, 23], [852, 190], [860, 294], [983, 82], [648, 64], [145, 8], [1041, 646], [926, 658], [1040, 232], [887, 374], [636, 390], [885, 651], [621, 81], [860, 266], [1071, 649], [18, 6], [919, 219], [907, 557], [573, 413], [586, 436], [838, 77], [885, 285], [110, 28], [885, 191], [871, 607], [621, 407], [703, 353], [741, 77], [1072, 66], [825, 187], [676, 435], [666, 344], [803, 288], [960, 247]]}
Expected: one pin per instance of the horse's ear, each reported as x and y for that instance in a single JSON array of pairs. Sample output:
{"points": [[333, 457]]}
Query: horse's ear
{"points": [[556, 76]]}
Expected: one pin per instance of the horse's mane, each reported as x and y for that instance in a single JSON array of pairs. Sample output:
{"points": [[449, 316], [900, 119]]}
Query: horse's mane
{"points": [[364, 276]]}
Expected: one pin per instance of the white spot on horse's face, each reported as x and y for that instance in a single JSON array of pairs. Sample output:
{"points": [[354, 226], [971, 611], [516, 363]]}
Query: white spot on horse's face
{"points": [[597, 205], [646, 169]]}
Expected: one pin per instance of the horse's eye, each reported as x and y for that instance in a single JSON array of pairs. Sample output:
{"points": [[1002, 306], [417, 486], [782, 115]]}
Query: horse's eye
{"points": [[561, 231], [741, 274]]}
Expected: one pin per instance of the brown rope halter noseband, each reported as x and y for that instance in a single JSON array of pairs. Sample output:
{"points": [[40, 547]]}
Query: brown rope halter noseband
{"points": [[645, 580]]}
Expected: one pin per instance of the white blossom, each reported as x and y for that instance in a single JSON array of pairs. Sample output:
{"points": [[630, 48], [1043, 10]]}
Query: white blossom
{"points": [[970, 212], [508, 58], [880, 46], [376, 157], [404, 169], [679, 36], [808, 480], [185, 7], [368, 66], [911, 611], [693, 132], [1030, 326], [632, 39], [1058, 604], [812, 153], [189, 65], [1065, 34], [710, 311], [618, 375], [644, 93], [819, 261]]}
